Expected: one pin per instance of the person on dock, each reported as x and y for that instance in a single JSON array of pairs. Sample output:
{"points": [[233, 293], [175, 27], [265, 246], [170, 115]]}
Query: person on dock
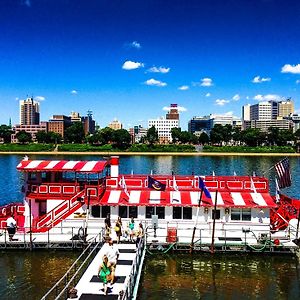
{"points": [[104, 273], [131, 229], [118, 229], [107, 223], [11, 224], [139, 235], [112, 253]]}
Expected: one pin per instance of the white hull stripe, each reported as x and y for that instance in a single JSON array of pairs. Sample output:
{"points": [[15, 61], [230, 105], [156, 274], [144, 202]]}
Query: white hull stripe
{"points": [[154, 197], [220, 201], [114, 197], [70, 165], [175, 198], [258, 199], [52, 164], [238, 199], [135, 197], [88, 166], [33, 164]]}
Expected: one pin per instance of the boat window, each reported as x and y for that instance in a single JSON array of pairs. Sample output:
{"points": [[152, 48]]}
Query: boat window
{"points": [[246, 214], [177, 212], [96, 211], [104, 211], [243, 214], [160, 212], [123, 211], [187, 213], [217, 216], [235, 214], [149, 212], [133, 212]]}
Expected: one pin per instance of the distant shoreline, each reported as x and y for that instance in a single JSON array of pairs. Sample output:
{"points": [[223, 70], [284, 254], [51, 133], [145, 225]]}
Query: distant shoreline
{"points": [[105, 153]]}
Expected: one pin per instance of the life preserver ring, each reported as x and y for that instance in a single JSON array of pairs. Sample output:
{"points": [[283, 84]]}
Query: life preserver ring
{"points": [[81, 233]]}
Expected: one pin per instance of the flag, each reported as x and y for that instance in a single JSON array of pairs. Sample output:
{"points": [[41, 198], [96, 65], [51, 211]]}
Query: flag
{"points": [[175, 186], [203, 187], [124, 186], [277, 194], [283, 173], [253, 188], [155, 184]]}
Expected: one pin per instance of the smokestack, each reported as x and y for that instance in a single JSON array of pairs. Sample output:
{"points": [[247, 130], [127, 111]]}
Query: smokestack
{"points": [[114, 166]]}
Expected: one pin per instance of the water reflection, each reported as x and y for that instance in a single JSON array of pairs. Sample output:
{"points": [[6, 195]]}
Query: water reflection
{"points": [[205, 277], [29, 275]]}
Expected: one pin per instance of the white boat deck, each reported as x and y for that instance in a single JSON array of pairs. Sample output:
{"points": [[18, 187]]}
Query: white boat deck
{"points": [[90, 287]]}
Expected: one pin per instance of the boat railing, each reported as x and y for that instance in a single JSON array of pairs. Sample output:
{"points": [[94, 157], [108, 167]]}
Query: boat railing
{"points": [[60, 237], [61, 289], [131, 286]]}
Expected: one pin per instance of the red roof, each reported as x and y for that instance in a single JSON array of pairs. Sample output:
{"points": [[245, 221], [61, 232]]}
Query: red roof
{"points": [[62, 166], [186, 198]]}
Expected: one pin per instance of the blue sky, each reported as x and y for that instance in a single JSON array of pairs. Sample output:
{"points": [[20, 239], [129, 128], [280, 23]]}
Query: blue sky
{"points": [[131, 59]]}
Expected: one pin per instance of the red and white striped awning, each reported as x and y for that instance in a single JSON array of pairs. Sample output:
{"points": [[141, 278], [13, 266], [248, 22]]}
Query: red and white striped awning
{"points": [[186, 198], [62, 166]]}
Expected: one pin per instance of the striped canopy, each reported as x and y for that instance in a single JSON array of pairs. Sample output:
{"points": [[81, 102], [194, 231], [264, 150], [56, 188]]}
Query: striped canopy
{"points": [[186, 198], [62, 166]]}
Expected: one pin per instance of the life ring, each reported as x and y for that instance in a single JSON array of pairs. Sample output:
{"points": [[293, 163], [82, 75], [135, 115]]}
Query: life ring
{"points": [[81, 233]]}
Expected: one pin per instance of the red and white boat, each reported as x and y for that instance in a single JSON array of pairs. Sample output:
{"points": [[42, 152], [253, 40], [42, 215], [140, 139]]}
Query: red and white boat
{"points": [[62, 194]]}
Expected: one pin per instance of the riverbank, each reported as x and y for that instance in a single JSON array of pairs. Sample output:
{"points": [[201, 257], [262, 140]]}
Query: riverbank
{"points": [[106, 153]]}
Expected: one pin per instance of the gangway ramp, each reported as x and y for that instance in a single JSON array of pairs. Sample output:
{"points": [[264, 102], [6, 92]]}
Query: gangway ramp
{"points": [[127, 274]]}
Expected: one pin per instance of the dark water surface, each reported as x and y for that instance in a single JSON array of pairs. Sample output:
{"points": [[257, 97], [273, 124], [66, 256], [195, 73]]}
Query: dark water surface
{"points": [[29, 275]]}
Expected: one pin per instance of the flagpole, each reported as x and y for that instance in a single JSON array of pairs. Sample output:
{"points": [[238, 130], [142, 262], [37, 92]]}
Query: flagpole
{"points": [[195, 225], [212, 246]]}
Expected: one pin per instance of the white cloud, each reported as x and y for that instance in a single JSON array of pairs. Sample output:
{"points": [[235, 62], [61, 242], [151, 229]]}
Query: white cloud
{"points": [[39, 98], [247, 97], [131, 65], [135, 44], [74, 92], [206, 82], [208, 95], [221, 102], [184, 87], [259, 79], [229, 113], [297, 81], [179, 108], [159, 70], [236, 97], [155, 82], [268, 97], [294, 69], [17, 98]]}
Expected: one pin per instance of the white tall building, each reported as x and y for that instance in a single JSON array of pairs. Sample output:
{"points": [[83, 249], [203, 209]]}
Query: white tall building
{"points": [[163, 125], [29, 112], [246, 112], [261, 111]]}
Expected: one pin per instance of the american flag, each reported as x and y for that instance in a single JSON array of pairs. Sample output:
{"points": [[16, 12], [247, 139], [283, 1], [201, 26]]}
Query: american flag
{"points": [[283, 173]]}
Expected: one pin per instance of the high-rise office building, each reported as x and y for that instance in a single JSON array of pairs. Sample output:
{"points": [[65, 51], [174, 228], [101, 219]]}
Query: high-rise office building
{"points": [[29, 112], [164, 125], [285, 108]]}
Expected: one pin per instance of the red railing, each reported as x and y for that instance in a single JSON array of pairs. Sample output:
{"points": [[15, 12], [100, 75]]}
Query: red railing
{"points": [[59, 213]]}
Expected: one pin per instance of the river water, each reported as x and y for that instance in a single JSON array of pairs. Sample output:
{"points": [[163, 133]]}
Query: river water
{"points": [[30, 275]]}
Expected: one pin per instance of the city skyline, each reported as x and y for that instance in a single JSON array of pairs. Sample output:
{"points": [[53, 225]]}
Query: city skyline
{"points": [[131, 60]]}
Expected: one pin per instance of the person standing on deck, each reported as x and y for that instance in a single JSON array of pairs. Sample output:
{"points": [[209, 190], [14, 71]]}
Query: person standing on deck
{"points": [[104, 273], [107, 223], [112, 253], [131, 229], [140, 234], [11, 227], [118, 229]]}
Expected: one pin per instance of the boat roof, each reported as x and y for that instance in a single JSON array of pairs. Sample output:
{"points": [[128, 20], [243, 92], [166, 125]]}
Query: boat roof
{"points": [[62, 166], [242, 199]]}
